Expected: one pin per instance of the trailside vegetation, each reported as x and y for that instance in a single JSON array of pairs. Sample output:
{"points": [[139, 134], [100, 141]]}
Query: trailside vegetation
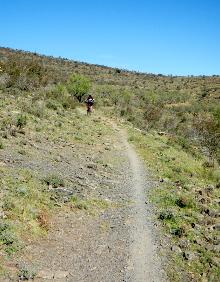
{"points": [[174, 121]]}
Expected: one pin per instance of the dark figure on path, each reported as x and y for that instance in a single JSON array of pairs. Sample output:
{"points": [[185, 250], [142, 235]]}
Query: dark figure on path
{"points": [[89, 102]]}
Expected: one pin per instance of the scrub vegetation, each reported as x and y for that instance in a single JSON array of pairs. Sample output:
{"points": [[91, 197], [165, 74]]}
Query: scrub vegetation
{"points": [[174, 122]]}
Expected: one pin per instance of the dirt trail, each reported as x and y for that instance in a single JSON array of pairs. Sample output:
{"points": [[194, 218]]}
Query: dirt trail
{"points": [[112, 244], [146, 264]]}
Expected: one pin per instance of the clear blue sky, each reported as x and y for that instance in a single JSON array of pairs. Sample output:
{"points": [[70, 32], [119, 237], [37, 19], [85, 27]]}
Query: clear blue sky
{"points": [[159, 36]]}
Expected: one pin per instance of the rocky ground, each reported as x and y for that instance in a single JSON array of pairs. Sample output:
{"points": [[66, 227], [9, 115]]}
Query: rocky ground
{"points": [[103, 227]]}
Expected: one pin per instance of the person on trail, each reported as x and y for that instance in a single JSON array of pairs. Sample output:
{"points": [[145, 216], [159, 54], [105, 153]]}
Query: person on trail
{"points": [[89, 102]]}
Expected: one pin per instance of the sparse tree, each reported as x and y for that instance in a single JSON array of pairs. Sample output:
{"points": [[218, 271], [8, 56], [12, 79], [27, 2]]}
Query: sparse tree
{"points": [[78, 86]]}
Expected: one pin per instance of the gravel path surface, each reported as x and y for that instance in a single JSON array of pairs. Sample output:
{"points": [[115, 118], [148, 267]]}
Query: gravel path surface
{"points": [[107, 244], [145, 260]]}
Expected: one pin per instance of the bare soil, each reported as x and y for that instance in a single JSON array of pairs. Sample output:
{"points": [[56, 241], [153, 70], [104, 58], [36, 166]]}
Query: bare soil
{"points": [[116, 242]]}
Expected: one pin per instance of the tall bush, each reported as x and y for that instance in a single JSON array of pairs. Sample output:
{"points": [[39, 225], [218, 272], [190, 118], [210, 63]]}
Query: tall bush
{"points": [[78, 86]]}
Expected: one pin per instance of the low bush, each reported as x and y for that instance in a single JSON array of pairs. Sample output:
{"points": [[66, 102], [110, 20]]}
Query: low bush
{"points": [[69, 102], [184, 202], [36, 108], [78, 203], [26, 274], [8, 238], [21, 121], [54, 180], [52, 104], [166, 215], [1, 144]]}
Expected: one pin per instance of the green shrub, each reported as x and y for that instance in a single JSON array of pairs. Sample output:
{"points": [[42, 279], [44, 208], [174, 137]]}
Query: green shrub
{"points": [[184, 201], [26, 274], [8, 238], [13, 248], [36, 108], [214, 174], [79, 204], [52, 104], [183, 142], [21, 121], [208, 129], [177, 231], [54, 180], [4, 226], [166, 215], [152, 113], [69, 102], [78, 86], [22, 191], [8, 204], [1, 144]]}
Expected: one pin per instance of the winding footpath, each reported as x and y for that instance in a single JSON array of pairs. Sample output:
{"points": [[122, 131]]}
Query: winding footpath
{"points": [[113, 244]]}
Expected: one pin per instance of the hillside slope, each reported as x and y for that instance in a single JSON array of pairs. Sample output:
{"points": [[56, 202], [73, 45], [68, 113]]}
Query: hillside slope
{"points": [[55, 160], [59, 69], [72, 202]]}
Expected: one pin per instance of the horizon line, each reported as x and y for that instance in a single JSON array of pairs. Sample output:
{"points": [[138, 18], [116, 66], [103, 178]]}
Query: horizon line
{"points": [[106, 66]]}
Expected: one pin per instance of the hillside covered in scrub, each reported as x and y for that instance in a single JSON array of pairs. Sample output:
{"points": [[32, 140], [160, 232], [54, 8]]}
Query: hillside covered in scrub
{"points": [[186, 107], [173, 122]]}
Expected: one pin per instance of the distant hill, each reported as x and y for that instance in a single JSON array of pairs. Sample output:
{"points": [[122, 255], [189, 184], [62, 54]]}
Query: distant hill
{"points": [[186, 107], [49, 70]]}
